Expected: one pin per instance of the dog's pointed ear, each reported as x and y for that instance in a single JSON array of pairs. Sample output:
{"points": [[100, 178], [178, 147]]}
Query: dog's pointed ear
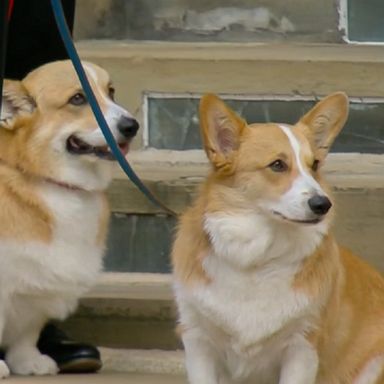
{"points": [[15, 102], [324, 122], [221, 129]]}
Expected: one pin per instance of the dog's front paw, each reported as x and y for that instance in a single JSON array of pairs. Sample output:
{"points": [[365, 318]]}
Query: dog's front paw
{"points": [[32, 364], [4, 370]]}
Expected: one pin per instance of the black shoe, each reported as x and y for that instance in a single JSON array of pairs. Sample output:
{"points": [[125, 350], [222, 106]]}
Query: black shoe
{"points": [[70, 356]]}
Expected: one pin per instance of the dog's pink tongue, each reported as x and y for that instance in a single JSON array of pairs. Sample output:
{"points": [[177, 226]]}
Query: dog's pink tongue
{"points": [[124, 148]]}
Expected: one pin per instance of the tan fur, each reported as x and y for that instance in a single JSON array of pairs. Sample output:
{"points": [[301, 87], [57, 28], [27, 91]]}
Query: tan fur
{"points": [[187, 260], [349, 330], [54, 169], [23, 215]]}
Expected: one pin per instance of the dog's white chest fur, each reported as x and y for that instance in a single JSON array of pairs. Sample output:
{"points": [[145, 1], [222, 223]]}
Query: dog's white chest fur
{"points": [[254, 309], [249, 311], [251, 322], [68, 264]]}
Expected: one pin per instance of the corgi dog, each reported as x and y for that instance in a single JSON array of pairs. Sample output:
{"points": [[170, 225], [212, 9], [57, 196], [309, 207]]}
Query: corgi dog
{"points": [[54, 169], [265, 295]]}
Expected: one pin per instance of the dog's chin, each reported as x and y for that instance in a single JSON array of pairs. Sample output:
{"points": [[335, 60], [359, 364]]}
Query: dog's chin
{"points": [[308, 221], [77, 146]]}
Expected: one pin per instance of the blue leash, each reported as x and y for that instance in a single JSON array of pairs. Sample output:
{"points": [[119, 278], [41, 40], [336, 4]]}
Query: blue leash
{"points": [[72, 53]]}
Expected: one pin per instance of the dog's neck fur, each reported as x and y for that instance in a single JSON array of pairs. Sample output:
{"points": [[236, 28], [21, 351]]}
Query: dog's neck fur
{"points": [[58, 183], [252, 240]]}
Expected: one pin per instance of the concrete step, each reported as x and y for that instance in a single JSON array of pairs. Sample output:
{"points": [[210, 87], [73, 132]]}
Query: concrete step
{"points": [[154, 362], [125, 366], [127, 311], [99, 378]]}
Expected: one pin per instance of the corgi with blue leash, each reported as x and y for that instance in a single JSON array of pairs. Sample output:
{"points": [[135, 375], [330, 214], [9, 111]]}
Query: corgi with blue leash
{"points": [[54, 169], [264, 292]]}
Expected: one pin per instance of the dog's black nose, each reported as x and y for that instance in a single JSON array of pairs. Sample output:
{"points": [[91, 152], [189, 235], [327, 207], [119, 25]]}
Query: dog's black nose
{"points": [[127, 126], [319, 204]]}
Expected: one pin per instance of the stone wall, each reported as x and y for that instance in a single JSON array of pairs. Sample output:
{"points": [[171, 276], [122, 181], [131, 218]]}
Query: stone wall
{"points": [[208, 20]]}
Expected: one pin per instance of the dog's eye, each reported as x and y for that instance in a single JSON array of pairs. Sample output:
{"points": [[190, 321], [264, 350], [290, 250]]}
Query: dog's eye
{"points": [[315, 165], [278, 166], [77, 99], [111, 93]]}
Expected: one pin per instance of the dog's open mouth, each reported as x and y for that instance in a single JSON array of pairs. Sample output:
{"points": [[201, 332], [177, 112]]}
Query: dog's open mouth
{"points": [[315, 220], [77, 146]]}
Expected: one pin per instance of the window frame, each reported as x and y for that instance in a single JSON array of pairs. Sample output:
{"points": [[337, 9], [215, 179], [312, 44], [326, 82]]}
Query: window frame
{"points": [[229, 96], [344, 26]]}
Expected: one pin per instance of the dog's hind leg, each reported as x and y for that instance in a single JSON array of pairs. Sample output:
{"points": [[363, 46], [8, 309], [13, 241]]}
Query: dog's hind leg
{"points": [[372, 373]]}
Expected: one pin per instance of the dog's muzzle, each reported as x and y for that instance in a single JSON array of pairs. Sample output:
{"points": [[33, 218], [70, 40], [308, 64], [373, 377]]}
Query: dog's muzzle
{"points": [[127, 128]]}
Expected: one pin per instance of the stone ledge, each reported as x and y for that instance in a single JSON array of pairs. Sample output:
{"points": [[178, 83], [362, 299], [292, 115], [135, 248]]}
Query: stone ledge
{"points": [[132, 286], [100, 378], [125, 323], [174, 177], [341, 169], [239, 51], [143, 361]]}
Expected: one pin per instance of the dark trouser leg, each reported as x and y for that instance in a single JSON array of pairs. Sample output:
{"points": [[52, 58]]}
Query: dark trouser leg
{"points": [[33, 38]]}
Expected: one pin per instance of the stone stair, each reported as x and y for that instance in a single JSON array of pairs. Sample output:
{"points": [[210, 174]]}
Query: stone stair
{"points": [[100, 378]]}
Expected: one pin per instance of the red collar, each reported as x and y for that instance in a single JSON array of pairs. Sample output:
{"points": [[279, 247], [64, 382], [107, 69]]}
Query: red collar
{"points": [[58, 183], [62, 184]]}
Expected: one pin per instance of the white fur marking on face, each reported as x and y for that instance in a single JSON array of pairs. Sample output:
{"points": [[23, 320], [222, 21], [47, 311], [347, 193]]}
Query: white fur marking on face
{"points": [[112, 114], [91, 72], [308, 181], [113, 108]]}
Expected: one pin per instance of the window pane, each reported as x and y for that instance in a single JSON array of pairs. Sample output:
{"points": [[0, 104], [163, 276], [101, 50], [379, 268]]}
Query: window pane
{"points": [[173, 122], [139, 243], [366, 20]]}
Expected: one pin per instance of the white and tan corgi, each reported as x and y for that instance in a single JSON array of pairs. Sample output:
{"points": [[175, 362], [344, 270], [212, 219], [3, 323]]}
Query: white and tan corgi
{"points": [[265, 294], [54, 170]]}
